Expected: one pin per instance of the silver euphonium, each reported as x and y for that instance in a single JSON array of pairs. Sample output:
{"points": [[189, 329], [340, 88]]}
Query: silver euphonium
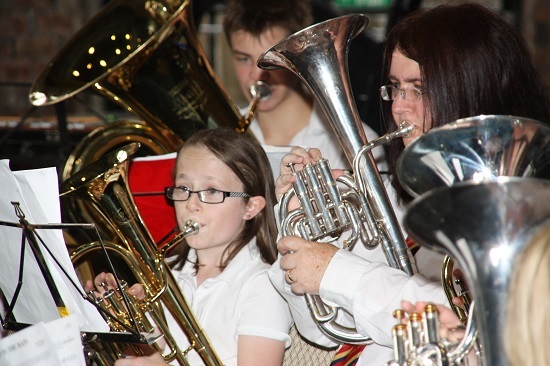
{"points": [[318, 56], [480, 148], [484, 226], [474, 150]]}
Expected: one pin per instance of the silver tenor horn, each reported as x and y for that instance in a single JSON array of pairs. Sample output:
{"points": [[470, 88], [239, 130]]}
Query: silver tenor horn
{"points": [[318, 56], [484, 226], [480, 148]]}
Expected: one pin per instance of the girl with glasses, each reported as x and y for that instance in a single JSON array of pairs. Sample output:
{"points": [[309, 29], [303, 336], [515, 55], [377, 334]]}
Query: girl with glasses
{"points": [[223, 182]]}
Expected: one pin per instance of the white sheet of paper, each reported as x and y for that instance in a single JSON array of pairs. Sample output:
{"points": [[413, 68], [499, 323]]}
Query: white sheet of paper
{"points": [[56, 343], [38, 195], [65, 336]]}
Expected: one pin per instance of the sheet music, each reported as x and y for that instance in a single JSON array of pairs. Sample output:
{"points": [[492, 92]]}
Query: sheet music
{"points": [[38, 195], [55, 343]]}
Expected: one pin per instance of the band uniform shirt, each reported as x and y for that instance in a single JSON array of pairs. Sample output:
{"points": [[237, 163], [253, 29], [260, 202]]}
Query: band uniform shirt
{"points": [[239, 301], [319, 134]]}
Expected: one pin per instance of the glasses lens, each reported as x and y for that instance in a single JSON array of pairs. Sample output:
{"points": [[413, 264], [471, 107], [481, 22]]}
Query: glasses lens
{"points": [[384, 93], [177, 193], [416, 95], [211, 196], [391, 92]]}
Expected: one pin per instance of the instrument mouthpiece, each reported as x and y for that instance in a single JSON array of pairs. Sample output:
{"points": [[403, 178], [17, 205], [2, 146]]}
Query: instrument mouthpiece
{"points": [[405, 128], [191, 228], [260, 90]]}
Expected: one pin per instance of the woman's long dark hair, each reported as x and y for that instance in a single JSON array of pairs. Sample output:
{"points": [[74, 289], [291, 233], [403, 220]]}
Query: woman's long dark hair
{"points": [[247, 159], [472, 62]]}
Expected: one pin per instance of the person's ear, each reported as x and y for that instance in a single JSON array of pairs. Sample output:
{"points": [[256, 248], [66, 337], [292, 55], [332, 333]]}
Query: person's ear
{"points": [[253, 206]]}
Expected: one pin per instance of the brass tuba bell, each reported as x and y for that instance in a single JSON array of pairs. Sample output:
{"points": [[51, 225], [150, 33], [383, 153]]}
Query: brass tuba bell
{"points": [[144, 56]]}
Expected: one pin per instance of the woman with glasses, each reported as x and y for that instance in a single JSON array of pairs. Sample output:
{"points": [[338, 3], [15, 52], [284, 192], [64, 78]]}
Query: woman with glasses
{"points": [[439, 65], [223, 182], [455, 62]]}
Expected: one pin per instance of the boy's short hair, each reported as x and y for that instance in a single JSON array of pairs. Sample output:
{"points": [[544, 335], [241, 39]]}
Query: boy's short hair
{"points": [[256, 16]]}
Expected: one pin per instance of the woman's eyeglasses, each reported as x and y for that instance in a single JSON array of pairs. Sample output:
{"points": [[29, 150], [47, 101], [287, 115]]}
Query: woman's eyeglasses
{"points": [[411, 94]]}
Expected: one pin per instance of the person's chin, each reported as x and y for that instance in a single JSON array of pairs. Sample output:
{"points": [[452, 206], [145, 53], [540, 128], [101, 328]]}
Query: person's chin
{"points": [[267, 106], [409, 139]]}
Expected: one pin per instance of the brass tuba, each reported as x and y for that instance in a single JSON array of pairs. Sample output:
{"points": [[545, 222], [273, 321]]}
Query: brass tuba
{"points": [[318, 56], [103, 184], [146, 57], [484, 226]]}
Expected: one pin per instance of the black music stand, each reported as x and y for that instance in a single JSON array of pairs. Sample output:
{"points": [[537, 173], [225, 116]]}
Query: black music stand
{"points": [[36, 244]]}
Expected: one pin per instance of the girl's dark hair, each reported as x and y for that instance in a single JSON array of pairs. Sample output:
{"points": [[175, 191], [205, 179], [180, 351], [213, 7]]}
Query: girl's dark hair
{"points": [[247, 159], [257, 16], [472, 62]]}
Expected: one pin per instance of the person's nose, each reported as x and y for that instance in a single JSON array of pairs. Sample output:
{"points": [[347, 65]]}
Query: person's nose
{"points": [[259, 74], [400, 105], [193, 203]]}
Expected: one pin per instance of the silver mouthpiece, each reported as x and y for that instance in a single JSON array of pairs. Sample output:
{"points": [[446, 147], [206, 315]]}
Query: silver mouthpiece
{"points": [[405, 128], [260, 90], [191, 228]]}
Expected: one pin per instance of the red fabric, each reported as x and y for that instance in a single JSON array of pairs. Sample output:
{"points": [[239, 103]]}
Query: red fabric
{"points": [[147, 178], [412, 245], [347, 355]]}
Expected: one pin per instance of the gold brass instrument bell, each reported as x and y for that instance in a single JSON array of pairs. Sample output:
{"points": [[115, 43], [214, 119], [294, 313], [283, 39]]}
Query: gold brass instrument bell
{"points": [[146, 57], [103, 184]]}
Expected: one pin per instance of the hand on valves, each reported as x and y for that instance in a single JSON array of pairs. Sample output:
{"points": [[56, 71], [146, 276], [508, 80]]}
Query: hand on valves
{"points": [[104, 282], [304, 261], [450, 325], [103, 287]]}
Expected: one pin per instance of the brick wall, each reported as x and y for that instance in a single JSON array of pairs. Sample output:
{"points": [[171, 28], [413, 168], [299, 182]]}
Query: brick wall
{"points": [[31, 32]]}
